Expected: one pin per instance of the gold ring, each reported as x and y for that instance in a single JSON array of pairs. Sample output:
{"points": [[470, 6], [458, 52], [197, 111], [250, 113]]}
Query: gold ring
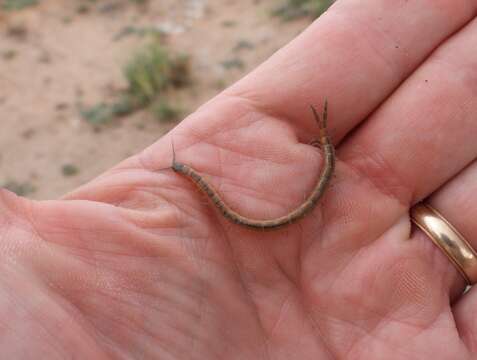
{"points": [[448, 239]]}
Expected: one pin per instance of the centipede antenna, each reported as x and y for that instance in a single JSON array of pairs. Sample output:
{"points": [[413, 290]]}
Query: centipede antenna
{"points": [[173, 159], [173, 152], [325, 113]]}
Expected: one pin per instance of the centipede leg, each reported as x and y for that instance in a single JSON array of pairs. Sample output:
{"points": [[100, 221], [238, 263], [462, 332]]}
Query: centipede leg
{"points": [[316, 143]]}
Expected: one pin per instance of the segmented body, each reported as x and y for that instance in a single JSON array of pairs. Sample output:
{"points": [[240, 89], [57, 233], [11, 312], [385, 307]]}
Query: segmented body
{"points": [[298, 213]]}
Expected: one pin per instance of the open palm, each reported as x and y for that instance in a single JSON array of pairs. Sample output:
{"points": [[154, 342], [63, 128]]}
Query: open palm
{"points": [[139, 265]]}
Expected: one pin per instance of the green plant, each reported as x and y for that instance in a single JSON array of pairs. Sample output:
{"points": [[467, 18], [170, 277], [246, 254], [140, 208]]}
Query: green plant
{"points": [[146, 74], [243, 45], [236, 63], [125, 105], [18, 4], [69, 170], [82, 9], [104, 113], [98, 114], [293, 9], [21, 189], [138, 31], [150, 73], [220, 84], [229, 23], [165, 112], [179, 73], [153, 70]]}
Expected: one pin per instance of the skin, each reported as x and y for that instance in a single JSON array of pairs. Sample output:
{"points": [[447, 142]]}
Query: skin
{"points": [[138, 265]]}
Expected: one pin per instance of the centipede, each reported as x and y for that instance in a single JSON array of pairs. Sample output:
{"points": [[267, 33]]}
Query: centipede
{"points": [[323, 142]]}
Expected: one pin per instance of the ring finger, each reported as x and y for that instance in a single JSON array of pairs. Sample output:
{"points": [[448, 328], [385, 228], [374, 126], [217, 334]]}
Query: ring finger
{"points": [[457, 202]]}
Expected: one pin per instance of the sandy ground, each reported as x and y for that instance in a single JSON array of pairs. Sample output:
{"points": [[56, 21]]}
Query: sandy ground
{"points": [[53, 57]]}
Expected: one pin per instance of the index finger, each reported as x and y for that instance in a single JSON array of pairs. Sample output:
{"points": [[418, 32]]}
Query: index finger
{"points": [[354, 55]]}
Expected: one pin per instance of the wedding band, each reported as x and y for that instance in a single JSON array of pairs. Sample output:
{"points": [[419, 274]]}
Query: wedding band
{"points": [[448, 239]]}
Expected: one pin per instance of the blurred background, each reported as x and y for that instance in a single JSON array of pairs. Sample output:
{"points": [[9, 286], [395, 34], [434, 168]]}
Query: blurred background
{"points": [[86, 83]]}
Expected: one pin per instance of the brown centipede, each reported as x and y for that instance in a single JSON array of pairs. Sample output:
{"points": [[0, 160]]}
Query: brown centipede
{"points": [[302, 210]]}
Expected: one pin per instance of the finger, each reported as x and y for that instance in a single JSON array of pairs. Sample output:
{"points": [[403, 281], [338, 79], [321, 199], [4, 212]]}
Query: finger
{"points": [[457, 202], [355, 56], [465, 316], [425, 133]]}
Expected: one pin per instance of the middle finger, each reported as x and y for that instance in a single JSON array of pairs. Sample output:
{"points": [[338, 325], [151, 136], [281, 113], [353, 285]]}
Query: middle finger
{"points": [[425, 132]]}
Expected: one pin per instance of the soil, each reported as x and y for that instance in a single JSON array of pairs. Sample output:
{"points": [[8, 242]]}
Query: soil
{"points": [[57, 55]]}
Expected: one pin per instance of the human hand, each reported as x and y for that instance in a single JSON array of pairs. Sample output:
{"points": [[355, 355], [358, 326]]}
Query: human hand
{"points": [[139, 264]]}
